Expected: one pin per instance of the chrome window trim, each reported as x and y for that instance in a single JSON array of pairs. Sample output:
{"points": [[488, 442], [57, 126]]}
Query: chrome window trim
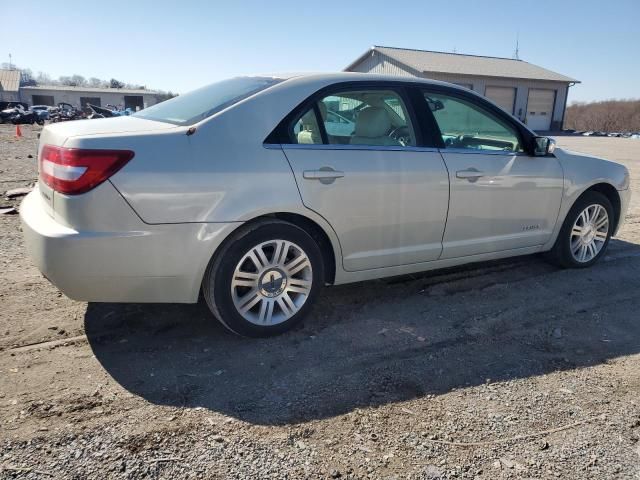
{"points": [[482, 152], [272, 146], [319, 146]]}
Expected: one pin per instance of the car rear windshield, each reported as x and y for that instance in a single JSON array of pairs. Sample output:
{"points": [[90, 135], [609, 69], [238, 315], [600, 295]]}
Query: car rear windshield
{"points": [[194, 106]]}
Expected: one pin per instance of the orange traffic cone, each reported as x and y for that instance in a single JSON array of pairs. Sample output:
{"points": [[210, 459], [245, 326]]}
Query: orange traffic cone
{"points": [[18, 131]]}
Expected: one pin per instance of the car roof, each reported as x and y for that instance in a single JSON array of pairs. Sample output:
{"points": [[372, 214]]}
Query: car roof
{"points": [[336, 77]]}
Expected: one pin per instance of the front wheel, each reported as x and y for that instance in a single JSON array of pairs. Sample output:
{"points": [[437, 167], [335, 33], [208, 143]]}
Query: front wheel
{"points": [[585, 233], [265, 279]]}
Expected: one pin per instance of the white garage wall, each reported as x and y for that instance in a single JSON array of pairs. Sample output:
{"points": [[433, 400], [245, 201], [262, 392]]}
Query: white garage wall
{"points": [[73, 97], [382, 64]]}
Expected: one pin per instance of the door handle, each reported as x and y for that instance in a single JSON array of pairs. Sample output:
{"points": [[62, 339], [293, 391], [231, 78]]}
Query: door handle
{"points": [[470, 174], [325, 174]]}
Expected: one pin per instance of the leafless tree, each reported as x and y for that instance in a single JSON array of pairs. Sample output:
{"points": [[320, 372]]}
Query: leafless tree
{"points": [[605, 116]]}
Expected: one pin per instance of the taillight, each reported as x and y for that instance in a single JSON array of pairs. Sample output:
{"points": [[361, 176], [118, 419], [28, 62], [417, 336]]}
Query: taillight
{"points": [[77, 170]]}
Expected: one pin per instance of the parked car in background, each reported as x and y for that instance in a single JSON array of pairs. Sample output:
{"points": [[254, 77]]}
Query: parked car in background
{"points": [[11, 110], [65, 112], [18, 115], [240, 192], [42, 111], [6, 105], [22, 117]]}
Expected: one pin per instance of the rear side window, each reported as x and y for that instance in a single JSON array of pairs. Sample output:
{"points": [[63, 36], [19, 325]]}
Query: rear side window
{"points": [[195, 106], [358, 117]]}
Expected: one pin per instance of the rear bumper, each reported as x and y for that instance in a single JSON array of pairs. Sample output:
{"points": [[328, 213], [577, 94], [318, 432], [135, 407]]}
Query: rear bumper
{"points": [[155, 263]]}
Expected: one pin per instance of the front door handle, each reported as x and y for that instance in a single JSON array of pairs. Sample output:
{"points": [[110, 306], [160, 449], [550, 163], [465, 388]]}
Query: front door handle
{"points": [[470, 174], [325, 174]]}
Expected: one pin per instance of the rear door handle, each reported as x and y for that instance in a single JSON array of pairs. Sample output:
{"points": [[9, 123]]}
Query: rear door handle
{"points": [[470, 174], [325, 174]]}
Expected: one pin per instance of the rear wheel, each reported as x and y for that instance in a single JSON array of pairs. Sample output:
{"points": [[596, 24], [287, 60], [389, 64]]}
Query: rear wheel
{"points": [[585, 233], [265, 279]]}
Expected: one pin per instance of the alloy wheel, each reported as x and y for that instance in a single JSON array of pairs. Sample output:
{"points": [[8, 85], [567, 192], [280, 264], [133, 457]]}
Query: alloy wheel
{"points": [[271, 282], [589, 233]]}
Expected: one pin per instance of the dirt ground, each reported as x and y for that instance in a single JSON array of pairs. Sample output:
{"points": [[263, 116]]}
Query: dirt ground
{"points": [[510, 369]]}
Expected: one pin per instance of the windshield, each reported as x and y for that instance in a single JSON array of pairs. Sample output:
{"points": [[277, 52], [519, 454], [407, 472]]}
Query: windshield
{"points": [[194, 106]]}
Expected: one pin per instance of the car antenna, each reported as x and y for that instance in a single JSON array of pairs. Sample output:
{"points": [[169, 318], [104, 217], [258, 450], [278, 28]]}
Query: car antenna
{"points": [[191, 131]]}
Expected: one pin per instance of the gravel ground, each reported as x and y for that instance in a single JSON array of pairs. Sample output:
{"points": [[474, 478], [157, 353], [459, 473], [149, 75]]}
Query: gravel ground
{"points": [[510, 369]]}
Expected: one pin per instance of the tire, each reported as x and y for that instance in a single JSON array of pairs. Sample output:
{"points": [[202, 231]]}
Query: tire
{"points": [[257, 295], [569, 246]]}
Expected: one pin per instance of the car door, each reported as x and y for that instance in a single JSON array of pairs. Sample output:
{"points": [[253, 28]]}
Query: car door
{"points": [[502, 198], [385, 196]]}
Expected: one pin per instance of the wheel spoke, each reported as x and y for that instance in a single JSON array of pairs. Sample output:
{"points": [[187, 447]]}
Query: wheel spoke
{"points": [[577, 230], [249, 301], [602, 236], [583, 252], [575, 247], [297, 264], [604, 221], [298, 285], [583, 219], [597, 213], [245, 279], [286, 305], [280, 253], [266, 311], [259, 258]]}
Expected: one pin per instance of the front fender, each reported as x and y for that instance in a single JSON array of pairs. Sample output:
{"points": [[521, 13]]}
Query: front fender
{"points": [[582, 172]]}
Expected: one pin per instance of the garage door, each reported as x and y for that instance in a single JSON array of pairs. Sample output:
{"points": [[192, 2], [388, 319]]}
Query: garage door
{"points": [[43, 100], [503, 96], [540, 108]]}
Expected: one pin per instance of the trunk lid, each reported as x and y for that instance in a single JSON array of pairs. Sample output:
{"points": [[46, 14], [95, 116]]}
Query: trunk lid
{"points": [[101, 126], [71, 133]]}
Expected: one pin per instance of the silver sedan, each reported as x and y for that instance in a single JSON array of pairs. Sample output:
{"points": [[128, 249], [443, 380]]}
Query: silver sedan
{"points": [[247, 192]]}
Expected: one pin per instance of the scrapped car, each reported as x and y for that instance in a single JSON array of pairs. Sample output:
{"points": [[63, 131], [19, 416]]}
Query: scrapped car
{"points": [[239, 192], [42, 111]]}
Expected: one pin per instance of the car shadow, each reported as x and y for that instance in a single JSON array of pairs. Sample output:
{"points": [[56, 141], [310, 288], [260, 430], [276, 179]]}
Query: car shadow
{"points": [[379, 342]]}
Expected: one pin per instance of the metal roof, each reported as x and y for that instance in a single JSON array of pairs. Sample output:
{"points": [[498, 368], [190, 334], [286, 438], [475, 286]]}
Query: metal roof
{"points": [[90, 89], [9, 80], [461, 64]]}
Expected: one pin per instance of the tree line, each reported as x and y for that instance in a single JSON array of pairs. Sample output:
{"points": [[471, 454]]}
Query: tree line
{"points": [[28, 79], [604, 116]]}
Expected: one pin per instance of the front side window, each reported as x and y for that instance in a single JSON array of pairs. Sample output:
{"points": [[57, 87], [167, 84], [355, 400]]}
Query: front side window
{"points": [[464, 124], [363, 117], [195, 106]]}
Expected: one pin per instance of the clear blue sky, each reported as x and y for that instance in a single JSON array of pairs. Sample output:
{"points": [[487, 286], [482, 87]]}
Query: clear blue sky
{"points": [[179, 46]]}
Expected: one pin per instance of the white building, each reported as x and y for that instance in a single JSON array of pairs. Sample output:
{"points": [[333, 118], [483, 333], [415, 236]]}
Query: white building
{"points": [[81, 96], [535, 95]]}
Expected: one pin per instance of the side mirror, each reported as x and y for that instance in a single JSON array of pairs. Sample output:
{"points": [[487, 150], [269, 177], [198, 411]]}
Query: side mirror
{"points": [[543, 146]]}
